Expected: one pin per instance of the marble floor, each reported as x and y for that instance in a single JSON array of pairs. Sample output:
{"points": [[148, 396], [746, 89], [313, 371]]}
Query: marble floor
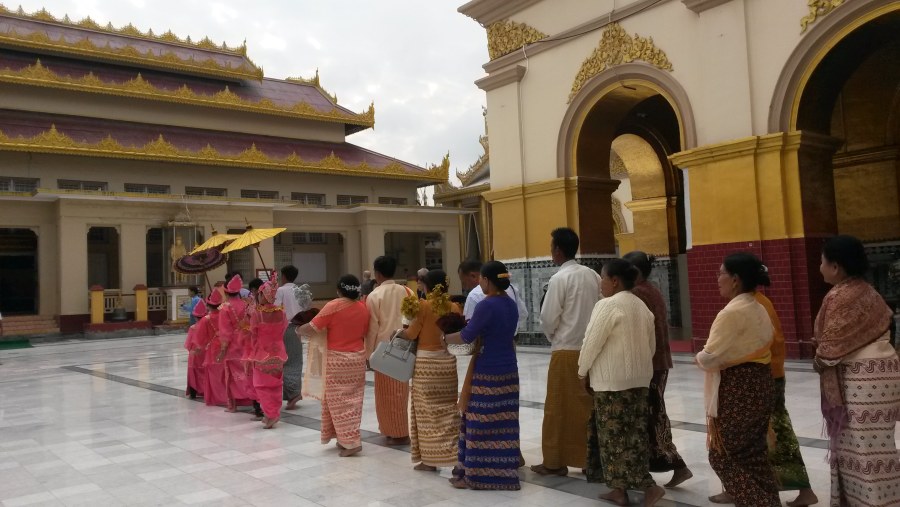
{"points": [[106, 423]]}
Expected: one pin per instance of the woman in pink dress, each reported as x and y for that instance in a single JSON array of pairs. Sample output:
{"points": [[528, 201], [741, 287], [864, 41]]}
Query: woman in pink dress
{"points": [[267, 327], [346, 321], [234, 331], [214, 390], [195, 371]]}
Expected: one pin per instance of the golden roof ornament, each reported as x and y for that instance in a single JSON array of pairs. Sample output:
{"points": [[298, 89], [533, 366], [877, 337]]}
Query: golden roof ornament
{"points": [[617, 47]]}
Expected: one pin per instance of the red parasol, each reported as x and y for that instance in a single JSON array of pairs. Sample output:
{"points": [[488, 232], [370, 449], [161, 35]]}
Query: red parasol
{"points": [[200, 262]]}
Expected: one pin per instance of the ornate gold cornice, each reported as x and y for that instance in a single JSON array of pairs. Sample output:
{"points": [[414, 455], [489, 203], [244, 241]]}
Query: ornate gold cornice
{"points": [[817, 9], [40, 41], [617, 169], [160, 150], [128, 30], [617, 47], [506, 36], [40, 76]]}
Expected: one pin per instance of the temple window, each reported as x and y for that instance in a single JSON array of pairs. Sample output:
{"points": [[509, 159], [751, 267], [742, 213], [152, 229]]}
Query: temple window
{"points": [[13, 184], [146, 188], [348, 200], [206, 191], [307, 198], [101, 186], [400, 201], [259, 194]]}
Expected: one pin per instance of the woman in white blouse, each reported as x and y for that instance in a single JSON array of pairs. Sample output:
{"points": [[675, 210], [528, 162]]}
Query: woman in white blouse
{"points": [[616, 362]]}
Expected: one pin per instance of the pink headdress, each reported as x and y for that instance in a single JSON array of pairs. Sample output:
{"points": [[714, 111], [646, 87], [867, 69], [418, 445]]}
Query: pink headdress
{"points": [[199, 309], [234, 285], [269, 289], [215, 298]]}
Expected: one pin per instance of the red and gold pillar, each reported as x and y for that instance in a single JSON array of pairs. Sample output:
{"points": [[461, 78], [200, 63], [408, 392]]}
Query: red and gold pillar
{"points": [[770, 195]]}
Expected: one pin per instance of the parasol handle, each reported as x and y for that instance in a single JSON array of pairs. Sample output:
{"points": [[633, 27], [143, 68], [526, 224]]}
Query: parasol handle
{"points": [[261, 261], [208, 285]]}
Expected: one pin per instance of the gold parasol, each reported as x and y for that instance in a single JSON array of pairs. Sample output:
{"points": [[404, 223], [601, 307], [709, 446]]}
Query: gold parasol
{"points": [[215, 240], [252, 237]]}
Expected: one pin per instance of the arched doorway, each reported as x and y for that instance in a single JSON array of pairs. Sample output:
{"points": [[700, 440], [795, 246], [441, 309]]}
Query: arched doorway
{"points": [[622, 126], [18, 272], [851, 93]]}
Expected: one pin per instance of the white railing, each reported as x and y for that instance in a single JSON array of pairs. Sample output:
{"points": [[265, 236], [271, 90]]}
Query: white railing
{"points": [[157, 300]]}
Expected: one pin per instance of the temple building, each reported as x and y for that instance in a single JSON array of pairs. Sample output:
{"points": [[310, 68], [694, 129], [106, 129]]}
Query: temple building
{"points": [[691, 129], [120, 150]]}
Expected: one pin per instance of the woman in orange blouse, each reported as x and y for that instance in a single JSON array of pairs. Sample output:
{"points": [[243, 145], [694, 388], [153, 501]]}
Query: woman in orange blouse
{"points": [[433, 415]]}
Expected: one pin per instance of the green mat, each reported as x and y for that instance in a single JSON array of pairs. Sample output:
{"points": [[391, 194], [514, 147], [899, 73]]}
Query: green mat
{"points": [[15, 344]]}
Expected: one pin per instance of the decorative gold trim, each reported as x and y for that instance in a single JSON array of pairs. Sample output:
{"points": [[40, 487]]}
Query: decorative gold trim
{"points": [[617, 47], [475, 170], [53, 141], [128, 30], [617, 169], [506, 36], [41, 76], [40, 41], [447, 192], [621, 226], [314, 81], [817, 9]]}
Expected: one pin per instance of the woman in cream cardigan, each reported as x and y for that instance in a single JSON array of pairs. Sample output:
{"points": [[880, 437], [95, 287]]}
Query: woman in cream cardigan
{"points": [[739, 390], [616, 363]]}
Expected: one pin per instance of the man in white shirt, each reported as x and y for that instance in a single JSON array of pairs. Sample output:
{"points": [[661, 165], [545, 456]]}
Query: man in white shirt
{"points": [[568, 304], [293, 368], [391, 396], [476, 295]]}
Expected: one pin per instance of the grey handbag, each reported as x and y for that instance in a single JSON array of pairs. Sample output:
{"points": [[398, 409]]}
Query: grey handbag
{"points": [[395, 358]]}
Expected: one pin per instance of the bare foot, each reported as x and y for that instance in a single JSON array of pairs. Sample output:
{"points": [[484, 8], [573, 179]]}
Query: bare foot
{"points": [[349, 452], [271, 423], [292, 403], [722, 497], [680, 475], [805, 498], [616, 496], [652, 495], [422, 467], [339, 446]]}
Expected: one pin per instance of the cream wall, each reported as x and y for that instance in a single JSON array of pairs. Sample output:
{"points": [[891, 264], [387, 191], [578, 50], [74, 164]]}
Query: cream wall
{"points": [[727, 58]]}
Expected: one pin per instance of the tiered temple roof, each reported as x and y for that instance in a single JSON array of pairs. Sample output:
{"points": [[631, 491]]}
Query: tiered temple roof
{"points": [[39, 50]]}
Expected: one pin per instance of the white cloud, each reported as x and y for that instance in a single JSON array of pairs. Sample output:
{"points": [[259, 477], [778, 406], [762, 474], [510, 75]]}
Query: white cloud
{"points": [[313, 42]]}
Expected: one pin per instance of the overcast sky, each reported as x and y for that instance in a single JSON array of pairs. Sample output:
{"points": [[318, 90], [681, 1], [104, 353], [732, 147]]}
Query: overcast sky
{"points": [[417, 59]]}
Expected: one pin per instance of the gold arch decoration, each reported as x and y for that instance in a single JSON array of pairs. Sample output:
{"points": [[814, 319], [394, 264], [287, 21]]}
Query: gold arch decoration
{"points": [[617, 47], [506, 36], [160, 150], [617, 169], [140, 88], [127, 30], [621, 227], [818, 9], [39, 41]]}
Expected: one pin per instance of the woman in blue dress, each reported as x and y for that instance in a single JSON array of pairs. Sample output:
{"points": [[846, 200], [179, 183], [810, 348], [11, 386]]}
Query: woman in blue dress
{"points": [[489, 400]]}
